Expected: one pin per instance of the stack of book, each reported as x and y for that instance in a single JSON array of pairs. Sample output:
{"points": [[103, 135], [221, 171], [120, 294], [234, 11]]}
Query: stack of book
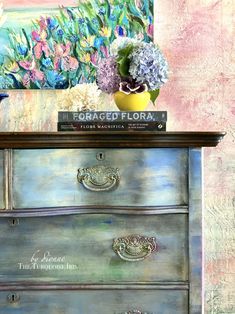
{"points": [[112, 120]]}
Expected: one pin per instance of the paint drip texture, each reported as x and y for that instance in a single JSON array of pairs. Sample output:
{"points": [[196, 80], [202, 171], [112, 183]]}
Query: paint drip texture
{"points": [[197, 38]]}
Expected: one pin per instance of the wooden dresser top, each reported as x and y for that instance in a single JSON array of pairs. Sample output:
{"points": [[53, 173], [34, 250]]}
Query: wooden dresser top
{"points": [[121, 139]]}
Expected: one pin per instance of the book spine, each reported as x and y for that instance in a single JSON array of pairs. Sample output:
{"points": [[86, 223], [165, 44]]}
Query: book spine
{"points": [[112, 116], [117, 126]]}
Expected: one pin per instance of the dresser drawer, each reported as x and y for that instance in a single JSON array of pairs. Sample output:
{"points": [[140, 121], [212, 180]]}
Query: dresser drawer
{"points": [[97, 302], [95, 248], [2, 206], [48, 178]]}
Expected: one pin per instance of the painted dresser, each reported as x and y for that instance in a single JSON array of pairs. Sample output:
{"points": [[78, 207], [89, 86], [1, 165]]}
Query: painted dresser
{"points": [[104, 223]]}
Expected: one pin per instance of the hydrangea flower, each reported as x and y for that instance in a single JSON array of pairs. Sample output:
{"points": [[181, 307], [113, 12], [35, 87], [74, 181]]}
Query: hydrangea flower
{"points": [[82, 97], [148, 65], [108, 78]]}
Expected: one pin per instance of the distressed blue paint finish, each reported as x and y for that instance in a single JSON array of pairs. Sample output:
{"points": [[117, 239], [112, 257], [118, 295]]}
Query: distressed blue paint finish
{"points": [[47, 178], [195, 232], [2, 206], [85, 241], [97, 302]]}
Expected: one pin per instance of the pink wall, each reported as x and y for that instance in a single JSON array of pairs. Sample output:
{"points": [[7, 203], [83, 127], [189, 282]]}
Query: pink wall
{"points": [[198, 38]]}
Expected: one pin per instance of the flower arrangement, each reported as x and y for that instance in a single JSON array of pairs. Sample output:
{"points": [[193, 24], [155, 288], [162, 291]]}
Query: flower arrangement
{"points": [[133, 68], [82, 97]]}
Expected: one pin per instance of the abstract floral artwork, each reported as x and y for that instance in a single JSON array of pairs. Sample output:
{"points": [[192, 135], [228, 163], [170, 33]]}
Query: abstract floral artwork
{"points": [[56, 44]]}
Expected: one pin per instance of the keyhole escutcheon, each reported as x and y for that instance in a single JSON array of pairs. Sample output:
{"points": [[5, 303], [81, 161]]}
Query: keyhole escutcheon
{"points": [[14, 222], [13, 297], [100, 156]]}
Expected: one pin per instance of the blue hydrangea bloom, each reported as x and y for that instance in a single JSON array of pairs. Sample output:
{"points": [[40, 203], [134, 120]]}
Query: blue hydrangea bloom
{"points": [[148, 66]]}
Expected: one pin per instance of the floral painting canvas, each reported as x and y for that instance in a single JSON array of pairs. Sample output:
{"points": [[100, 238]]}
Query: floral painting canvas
{"points": [[56, 44]]}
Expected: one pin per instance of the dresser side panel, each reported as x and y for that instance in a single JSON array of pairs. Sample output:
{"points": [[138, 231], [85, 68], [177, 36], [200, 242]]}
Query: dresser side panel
{"points": [[2, 197], [195, 231]]}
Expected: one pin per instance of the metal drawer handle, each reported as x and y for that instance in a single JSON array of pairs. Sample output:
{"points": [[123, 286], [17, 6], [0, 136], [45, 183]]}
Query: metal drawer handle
{"points": [[99, 178], [135, 312], [134, 248]]}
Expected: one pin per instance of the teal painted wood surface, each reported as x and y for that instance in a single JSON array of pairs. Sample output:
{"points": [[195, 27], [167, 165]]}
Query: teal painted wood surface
{"points": [[78, 249], [97, 302], [2, 206], [48, 178], [195, 232]]}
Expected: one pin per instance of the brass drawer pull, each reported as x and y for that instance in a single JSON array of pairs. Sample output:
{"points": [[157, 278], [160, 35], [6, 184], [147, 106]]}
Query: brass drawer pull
{"points": [[99, 178], [135, 312], [134, 248]]}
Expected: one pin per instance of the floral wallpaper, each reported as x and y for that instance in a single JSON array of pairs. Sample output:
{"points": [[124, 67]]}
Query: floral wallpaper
{"points": [[197, 37]]}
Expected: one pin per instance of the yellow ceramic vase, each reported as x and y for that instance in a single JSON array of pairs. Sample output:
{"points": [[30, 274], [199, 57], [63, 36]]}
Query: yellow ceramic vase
{"points": [[131, 102]]}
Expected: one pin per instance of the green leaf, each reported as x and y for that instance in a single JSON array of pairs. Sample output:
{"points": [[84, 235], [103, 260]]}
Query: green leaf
{"points": [[138, 20], [123, 67], [26, 37], [125, 51], [121, 17], [132, 8], [154, 94], [108, 8], [146, 7], [124, 61]]}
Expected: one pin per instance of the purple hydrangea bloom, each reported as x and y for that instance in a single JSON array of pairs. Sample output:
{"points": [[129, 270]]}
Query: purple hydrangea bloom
{"points": [[148, 66], [108, 78]]}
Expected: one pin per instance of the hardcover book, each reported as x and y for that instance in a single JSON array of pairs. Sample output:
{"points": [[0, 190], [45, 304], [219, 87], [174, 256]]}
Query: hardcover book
{"points": [[111, 126], [112, 116]]}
